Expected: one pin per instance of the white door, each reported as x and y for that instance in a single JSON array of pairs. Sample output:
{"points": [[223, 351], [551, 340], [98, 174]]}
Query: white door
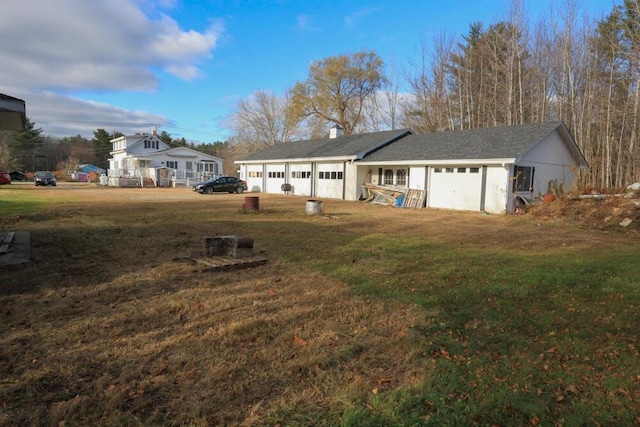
{"points": [[455, 188]]}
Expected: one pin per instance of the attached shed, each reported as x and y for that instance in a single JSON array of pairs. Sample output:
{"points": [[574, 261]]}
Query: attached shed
{"points": [[484, 169]]}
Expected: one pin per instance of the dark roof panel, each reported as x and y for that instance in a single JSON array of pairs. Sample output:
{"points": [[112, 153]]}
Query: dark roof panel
{"points": [[347, 146], [491, 143]]}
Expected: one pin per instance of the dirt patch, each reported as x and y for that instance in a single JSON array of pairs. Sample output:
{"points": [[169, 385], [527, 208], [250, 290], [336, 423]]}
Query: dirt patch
{"points": [[602, 212]]}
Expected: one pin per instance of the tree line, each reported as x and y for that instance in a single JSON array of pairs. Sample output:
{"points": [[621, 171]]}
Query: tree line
{"points": [[30, 150], [567, 67]]}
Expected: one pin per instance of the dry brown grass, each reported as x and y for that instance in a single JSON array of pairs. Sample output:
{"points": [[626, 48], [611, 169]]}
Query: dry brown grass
{"points": [[113, 330], [109, 325]]}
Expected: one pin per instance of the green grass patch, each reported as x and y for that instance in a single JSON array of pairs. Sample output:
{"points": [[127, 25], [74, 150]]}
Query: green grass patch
{"points": [[516, 338]]}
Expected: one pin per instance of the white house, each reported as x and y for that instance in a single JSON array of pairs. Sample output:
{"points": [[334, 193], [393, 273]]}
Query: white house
{"points": [[145, 160], [489, 170]]}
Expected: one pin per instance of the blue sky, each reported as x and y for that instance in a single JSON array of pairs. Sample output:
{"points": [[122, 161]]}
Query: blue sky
{"points": [[126, 65]]}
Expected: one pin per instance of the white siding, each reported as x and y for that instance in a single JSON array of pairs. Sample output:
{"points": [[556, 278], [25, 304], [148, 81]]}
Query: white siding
{"points": [[353, 181], [418, 178], [550, 158], [497, 190]]}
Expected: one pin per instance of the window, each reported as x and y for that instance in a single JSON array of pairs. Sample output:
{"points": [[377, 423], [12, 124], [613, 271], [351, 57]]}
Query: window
{"points": [[437, 170], [325, 175], [474, 170], [189, 166], [401, 177], [462, 170], [255, 174], [449, 170], [150, 144], [301, 174], [388, 177], [172, 164], [523, 178]]}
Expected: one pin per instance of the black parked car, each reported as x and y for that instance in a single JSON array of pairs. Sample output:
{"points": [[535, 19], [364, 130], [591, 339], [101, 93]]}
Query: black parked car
{"points": [[45, 178], [221, 184]]}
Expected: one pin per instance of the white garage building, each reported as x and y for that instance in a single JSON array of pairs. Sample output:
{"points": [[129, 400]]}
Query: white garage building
{"points": [[477, 170]]}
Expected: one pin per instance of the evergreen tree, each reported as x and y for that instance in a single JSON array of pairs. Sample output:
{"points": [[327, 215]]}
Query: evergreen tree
{"points": [[25, 148], [102, 146]]}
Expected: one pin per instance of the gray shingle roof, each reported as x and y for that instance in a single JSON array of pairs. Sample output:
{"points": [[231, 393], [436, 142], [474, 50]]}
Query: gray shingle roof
{"points": [[347, 146], [491, 143]]}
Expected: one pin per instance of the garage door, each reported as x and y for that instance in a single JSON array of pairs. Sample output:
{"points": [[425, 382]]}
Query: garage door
{"points": [[330, 181], [275, 178], [455, 188]]}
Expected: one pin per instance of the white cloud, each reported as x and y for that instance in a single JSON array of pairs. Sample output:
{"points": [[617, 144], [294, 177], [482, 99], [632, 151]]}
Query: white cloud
{"points": [[52, 50], [352, 20], [65, 115], [304, 23]]}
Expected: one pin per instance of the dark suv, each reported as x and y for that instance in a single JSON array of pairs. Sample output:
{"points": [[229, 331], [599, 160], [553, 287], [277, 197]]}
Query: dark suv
{"points": [[221, 184], [45, 178]]}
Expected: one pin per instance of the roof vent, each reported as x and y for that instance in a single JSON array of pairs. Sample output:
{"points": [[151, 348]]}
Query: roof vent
{"points": [[335, 131]]}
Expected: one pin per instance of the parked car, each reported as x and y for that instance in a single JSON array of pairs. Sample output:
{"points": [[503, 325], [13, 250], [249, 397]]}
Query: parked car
{"points": [[45, 178], [221, 184], [5, 178]]}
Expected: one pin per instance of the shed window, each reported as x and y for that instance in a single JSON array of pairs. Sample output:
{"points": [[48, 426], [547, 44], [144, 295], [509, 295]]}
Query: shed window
{"points": [[523, 178], [401, 177], [388, 177]]}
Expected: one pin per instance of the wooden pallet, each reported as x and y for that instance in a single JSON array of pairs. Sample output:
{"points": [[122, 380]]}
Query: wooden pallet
{"points": [[226, 264], [414, 199]]}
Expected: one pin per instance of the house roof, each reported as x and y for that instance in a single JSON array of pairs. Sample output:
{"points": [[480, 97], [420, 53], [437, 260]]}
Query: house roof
{"points": [[506, 142], [346, 146]]}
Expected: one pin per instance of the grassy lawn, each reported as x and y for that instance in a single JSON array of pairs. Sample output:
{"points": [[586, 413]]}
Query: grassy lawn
{"points": [[367, 315]]}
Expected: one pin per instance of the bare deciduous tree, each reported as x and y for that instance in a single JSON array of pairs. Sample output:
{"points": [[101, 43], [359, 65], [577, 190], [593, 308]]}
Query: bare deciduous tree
{"points": [[264, 119]]}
